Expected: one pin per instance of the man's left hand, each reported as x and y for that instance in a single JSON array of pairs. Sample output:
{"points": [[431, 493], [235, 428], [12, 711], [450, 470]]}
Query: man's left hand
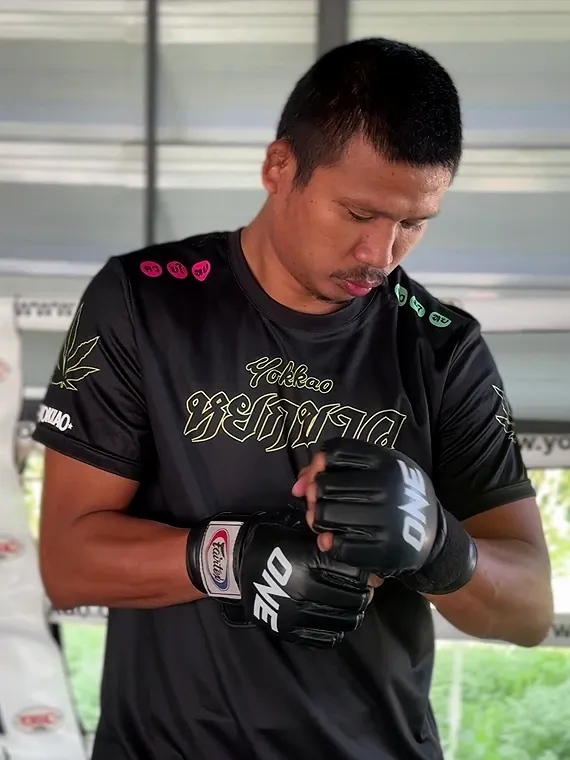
{"points": [[376, 509]]}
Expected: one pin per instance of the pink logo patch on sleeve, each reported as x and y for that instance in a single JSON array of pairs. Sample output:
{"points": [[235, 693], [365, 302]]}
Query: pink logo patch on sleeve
{"points": [[201, 270], [177, 270], [151, 269]]}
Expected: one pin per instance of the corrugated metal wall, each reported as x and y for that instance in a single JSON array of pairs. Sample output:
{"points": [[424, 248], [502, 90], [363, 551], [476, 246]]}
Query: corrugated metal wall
{"points": [[72, 160]]}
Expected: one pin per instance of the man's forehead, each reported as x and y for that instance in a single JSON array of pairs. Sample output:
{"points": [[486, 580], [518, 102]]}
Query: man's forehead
{"points": [[360, 155], [365, 178], [391, 198]]}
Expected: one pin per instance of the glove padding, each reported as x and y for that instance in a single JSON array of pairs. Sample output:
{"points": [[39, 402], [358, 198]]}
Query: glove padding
{"points": [[386, 519], [272, 564]]}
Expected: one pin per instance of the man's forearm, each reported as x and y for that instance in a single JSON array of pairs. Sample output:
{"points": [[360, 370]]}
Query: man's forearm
{"points": [[509, 598], [112, 559]]}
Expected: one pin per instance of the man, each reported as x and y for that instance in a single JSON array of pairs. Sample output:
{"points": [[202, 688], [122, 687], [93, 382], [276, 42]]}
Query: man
{"points": [[226, 390]]}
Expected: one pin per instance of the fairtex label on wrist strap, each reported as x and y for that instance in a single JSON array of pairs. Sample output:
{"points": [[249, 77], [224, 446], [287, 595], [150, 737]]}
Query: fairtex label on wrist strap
{"points": [[217, 560]]}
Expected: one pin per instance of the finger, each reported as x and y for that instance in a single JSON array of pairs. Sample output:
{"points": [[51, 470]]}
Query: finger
{"points": [[308, 474], [325, 541], [300, 486], [307, 487], [310, 517], [312, 494], [311, 501], [375, 581], [319, 464]]}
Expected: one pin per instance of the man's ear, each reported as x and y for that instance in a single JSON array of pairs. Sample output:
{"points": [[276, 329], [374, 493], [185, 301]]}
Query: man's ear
{"points": [[279, 167]]}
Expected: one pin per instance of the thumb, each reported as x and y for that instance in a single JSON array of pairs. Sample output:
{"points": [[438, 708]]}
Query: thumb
{"points": [[300, 487]]}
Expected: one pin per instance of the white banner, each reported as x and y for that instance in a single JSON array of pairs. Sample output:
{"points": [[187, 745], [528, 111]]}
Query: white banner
{"points": [[543, 451], [37, 720], [511, 311]]}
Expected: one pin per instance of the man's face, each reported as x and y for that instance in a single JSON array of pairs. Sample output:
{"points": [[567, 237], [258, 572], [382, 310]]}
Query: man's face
{"points": [[353, 223]]}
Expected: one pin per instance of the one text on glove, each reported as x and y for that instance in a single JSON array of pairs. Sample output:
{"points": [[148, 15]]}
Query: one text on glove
{"points": [[276, 575], [413, 530]]}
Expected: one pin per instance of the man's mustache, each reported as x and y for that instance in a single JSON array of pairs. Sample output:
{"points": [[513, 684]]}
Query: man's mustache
{"points": [[366, 277]]}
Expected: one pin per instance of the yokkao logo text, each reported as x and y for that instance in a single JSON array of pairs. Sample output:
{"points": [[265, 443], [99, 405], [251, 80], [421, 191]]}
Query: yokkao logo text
{"points": [[54, 417]]}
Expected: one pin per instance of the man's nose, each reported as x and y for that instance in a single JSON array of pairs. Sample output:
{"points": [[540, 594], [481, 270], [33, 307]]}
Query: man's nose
{"points": [[376, 247]]}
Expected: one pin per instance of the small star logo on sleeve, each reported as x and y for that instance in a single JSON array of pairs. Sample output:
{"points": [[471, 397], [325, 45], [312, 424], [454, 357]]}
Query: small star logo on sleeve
{"points": [[505, 420]]}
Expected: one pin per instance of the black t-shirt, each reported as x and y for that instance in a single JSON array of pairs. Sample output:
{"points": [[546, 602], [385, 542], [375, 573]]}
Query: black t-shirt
{"points": [[181, 372]]}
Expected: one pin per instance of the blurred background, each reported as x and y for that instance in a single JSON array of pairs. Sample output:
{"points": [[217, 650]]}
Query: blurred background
{"points": [[128, 122]]}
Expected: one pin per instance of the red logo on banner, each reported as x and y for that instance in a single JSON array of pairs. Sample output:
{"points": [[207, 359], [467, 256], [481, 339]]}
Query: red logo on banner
{"points": [[10, 548], [4, 370], [38, 720]]}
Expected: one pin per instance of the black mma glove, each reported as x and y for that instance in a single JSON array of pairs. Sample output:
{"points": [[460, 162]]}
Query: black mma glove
{"points": [[287, 586], [385, 517]]}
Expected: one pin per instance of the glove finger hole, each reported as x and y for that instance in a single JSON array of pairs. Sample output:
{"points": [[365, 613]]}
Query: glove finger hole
{"points": [[348, 453], [361, 518], [315, 638], [344, 485], [332, 619], [331, 592]]}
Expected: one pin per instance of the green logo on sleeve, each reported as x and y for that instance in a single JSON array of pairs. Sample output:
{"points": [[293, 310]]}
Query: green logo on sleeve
{"points": [[401, 294], [417, 307], [435, 318], [438, 320]]}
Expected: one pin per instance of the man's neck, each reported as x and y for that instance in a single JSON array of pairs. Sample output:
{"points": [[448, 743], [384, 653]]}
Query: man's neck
{"points": [[273, 277]]}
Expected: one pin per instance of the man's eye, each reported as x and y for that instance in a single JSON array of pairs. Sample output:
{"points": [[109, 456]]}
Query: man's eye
{"points": [[412, 226], [358, 217]]}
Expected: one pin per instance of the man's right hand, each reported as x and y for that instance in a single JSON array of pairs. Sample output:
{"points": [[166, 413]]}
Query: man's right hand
{"points": [[272, 564]]}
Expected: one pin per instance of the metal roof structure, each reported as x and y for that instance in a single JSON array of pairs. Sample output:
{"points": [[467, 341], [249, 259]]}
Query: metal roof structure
{"points": [[74, 152]]}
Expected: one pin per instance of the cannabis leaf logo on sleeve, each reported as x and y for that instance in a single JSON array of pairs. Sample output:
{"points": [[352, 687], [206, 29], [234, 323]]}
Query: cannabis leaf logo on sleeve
{"points": [[505, 420], [71, 364]]}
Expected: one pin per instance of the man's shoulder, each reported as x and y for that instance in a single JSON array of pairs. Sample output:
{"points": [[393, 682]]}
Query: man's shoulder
{"points": [[193, 257], [443, 325]]}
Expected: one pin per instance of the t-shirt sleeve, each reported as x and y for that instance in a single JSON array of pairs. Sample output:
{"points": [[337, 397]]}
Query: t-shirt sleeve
{"points": [[94, 408], [477, 459]]}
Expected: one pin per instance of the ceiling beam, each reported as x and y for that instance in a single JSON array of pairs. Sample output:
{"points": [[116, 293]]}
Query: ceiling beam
{"points": [[332, 25]]}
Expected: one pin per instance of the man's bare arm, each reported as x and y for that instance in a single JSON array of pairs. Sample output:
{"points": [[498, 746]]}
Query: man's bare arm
{"points": [[93, 553], [510, 596]]}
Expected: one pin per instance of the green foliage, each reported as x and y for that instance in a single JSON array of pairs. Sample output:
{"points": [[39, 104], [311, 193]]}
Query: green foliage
{"points": [[553, 495], [31, 486], [84, 647], [539, 725], [515, 703]]}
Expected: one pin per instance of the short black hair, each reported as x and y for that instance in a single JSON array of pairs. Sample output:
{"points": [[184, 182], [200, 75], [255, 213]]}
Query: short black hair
{"points": [[395, 95]]}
